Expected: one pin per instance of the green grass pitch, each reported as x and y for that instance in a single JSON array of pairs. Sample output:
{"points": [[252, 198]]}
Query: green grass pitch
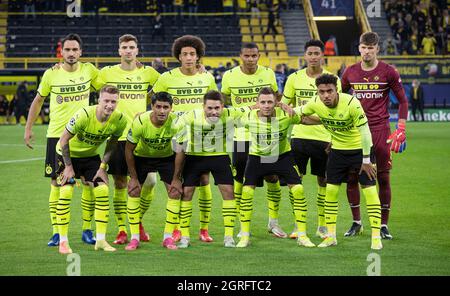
{"points": [[419, 222]]}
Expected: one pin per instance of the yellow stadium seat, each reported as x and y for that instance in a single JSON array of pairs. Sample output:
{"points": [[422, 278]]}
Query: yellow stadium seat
{"points": [[260, 46], [281, 46], [264, 22], [283, 54], [272, 54], [279, 38], [268, 38], [279, 29], [243, 22], [256, 30], [257, 38], [2, 48], [246, 38], [271, 47], [254, 22], [245, 30]]}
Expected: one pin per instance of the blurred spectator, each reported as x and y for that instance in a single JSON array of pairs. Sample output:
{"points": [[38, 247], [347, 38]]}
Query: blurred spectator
{"points": [[254, 9], [30, 7], [59, 50], [192, 8], [441, 41], [280, 76], [416, 98], [291, 4], [429, 44], [228, 6], [21, 103], [331, 46], [271, 23], [158, 65], [178, 4], [158, 27], [389, 47], [4, 110]]}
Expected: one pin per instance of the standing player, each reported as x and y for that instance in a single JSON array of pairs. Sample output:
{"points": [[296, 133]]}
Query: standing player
{"points": [[187, 87], [133, 83], [270, 155], [88, 129], [343, 116], [309, 141], [241, 86], [206, 133], [68, 87], [149, 149], [370, 81]]}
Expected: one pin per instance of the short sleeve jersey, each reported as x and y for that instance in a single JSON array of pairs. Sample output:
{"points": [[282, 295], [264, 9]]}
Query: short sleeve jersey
{"points": [[89, 133], [206, 138], [133, 87], [269, 136], [341, 121], [152, 141], [243, 90], [298, 91], [68, 91], [187, 90]]}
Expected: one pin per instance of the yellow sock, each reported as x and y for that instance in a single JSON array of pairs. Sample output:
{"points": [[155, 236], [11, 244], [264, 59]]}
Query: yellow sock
{"points": [[229, 216], [246, 208], [147, 194], [185, 217], [204, 204], [52, 205], [300, 209], [172, 215], [321, 191], [87, 206], [133, 210], [273, 198], [101, 194], [373, 209], [291, 200], [331, 208], [120, 208], [238, 194], [63, 209]]}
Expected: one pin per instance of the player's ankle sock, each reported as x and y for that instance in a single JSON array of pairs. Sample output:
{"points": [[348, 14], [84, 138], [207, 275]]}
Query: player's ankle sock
{"points": [[273, 198], [300, 209], [101, 213], [384, 185], [229, 216], [353, 196], [147, 194], [63, 209], [238, 195], [52, 205], [373, 209], [172, 215], [331, 208], [185, 217], [246, 208], [321, 191], [87, 206], [133, 210], [204, 204], [120, 208]]}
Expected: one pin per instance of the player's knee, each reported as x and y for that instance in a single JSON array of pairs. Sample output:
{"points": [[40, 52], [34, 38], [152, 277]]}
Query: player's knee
{"points": [[204, 179], [120, 182], [322, 181], [383, 178], [271, 179]]}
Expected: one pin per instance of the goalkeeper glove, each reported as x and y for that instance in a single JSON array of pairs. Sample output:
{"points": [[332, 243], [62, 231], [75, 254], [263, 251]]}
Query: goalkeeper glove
{"points": [[398, 139]]}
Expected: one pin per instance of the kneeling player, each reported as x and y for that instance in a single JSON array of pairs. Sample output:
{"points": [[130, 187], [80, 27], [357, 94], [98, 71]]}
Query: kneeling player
{"points": [[343, 116], [149, 149], [78, 156]]}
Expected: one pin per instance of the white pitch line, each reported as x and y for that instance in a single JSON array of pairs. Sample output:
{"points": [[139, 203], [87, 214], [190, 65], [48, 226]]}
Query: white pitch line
{"points": [[20, 160], [20, 145]]}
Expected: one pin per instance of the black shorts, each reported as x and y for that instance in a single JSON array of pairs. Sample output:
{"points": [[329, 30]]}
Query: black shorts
{"points": [[341, 162], [118, 164], [240, 156], [284, 167], [164, 166], [84, 166], [196, 166], [51, 162], [304, 149]]}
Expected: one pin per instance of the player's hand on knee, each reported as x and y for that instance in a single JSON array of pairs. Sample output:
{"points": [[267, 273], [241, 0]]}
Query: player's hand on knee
{"points": [[101, 173], [134, 188], [175, 188], [370, 169], [67, 176]]}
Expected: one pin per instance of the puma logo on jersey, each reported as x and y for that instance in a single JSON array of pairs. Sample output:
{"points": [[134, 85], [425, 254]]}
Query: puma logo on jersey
{"points": [[190, 83], [366, 79], [73, 81], [249, 82], [128, 78]]}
